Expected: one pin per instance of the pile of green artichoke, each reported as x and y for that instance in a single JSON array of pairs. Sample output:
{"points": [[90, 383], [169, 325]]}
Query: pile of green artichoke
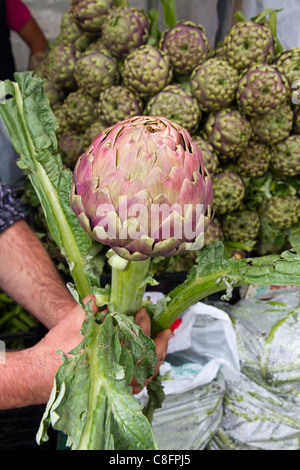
{"points": [[238, 101]]}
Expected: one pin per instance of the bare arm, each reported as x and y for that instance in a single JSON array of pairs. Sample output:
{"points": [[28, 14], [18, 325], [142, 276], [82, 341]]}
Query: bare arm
{"points": [[34, 37], [28, 275]]}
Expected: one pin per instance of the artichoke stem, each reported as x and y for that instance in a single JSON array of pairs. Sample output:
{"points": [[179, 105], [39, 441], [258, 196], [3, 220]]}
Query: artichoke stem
{"points": [[128, 287]]}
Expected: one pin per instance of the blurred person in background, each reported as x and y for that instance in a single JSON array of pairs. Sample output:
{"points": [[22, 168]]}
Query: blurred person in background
{"points": [[15, 16]]}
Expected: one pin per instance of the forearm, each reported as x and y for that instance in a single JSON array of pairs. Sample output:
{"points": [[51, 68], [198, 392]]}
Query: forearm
{"points": [[28, 275], [25, 379], [34, 37]]}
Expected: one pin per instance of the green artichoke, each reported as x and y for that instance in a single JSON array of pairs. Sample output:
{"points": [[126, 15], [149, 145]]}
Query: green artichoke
{"points": [[262, 90], [125, 29], [80, 110], [96, 71], [247, 43], [229, 132], [286, 157], [117, 103], [176, 104], [211, 161], [61, 63], [146, 71], [69, 146], [282, 212], [90, 14], [214, 84], [187, 46], [272, 128], [288, 64], [241, 226], [92, 132], [229, 191], [255, 161], [129, 173], [70, 33], [63, 125]]}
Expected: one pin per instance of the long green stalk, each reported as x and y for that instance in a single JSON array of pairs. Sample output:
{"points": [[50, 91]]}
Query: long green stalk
{"points": [[128, 287]]}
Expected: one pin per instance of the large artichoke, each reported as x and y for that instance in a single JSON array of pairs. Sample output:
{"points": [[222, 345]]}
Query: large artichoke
{"points": [[214, 84], [176, 104], [282, 211], [228, 131], [247, 43], [96, 71], [286, 156], [90, 14], [129, 173], [229, 191], [61, 63], [262, 90], [187, 46], [272, 128], [117, 103], [255, 161], [210, 158], [125, 29], [241, 225], [146, 71], [80, 110]]}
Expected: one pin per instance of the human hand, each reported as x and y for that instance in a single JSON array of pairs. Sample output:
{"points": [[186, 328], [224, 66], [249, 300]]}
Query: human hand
{"points": [[161, 342]]}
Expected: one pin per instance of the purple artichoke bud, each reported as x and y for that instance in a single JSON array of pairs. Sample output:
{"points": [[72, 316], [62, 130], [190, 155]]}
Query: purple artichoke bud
{"points": [[61, 63], [176, 104], [214, 84], [187, 46], [90, 14], [229, 132], [146, 71], [247, 43], [80, 110], [125, 29], [288, 64], [96, 71], [262, 90], [142, 189], [229, 191], [69, 145], [117, 104]]}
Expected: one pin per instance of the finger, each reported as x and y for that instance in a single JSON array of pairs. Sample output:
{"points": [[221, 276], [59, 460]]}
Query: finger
{"points": [[142, 319], [94, 304], [161, 342]]}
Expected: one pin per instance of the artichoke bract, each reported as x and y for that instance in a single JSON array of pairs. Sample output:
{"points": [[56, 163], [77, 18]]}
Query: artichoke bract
{"points": [[286, 156], [214, 84], [272, 128], [125, 29], [96, 71], [146, 71], [187, 46], [117, 103], [139, 187], [229, 191], [90, 14], [176, 104], [262, 90], [229, 132], [249, 42]]}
